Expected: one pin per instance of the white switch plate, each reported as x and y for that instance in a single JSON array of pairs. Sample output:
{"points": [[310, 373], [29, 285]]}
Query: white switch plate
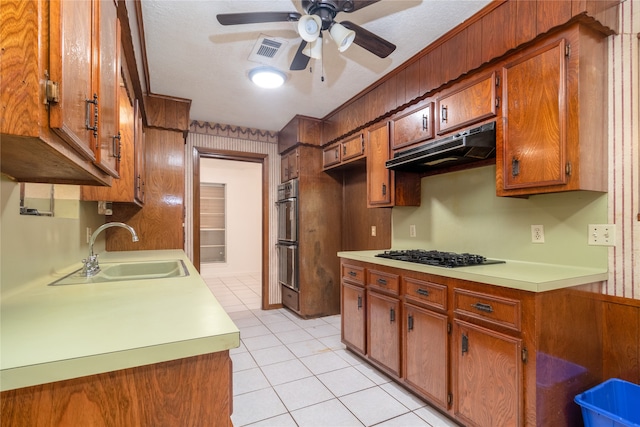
{"points": [[602, 234], [412, 231], [373, 230], [537, 234]]}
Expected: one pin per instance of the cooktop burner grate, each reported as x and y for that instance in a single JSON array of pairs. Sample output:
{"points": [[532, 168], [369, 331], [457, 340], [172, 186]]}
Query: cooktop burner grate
{"points": [[438, 258]]}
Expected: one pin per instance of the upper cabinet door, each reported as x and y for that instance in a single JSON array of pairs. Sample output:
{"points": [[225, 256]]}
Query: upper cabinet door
{"points": [[379, 178], [468, 104], [107, 48], [413, 127], [535, 118], [71, 29]]}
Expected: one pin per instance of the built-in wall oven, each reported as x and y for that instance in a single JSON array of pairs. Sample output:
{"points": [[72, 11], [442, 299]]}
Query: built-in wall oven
{"points": [[288, 234]]}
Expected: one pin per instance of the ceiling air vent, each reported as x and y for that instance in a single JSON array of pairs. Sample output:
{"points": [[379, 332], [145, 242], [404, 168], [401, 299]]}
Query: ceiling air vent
{"points": [[267, 49]]}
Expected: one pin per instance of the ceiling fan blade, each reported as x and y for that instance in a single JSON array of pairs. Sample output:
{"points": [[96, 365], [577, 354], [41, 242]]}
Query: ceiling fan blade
{"points": [[300, 61], [359, 4], [257, 17], [369, 41]]}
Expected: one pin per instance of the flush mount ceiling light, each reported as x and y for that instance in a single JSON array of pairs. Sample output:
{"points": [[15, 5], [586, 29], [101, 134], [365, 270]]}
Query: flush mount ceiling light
{"points": [[266, 77], [342, 36]]}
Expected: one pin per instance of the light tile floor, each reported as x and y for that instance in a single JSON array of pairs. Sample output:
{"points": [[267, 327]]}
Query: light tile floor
{"points": [[294, 372]]}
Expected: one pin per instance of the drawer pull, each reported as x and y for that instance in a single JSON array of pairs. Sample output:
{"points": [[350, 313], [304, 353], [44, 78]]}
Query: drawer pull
{"points": [[353, 274], [382, 281], [423, 292], [482, 307]]}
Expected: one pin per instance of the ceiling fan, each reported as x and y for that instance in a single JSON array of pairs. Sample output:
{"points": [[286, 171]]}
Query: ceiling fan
{"points": [[320, 16]]}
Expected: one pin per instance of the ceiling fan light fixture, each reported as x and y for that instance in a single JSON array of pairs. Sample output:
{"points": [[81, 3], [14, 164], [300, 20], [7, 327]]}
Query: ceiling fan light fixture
{"points": [[309, 27], [314, 49], [267, 77], [342, 36]]}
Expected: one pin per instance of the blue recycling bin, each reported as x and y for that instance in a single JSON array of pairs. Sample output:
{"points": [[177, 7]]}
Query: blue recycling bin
{"points": [[613, 403]]}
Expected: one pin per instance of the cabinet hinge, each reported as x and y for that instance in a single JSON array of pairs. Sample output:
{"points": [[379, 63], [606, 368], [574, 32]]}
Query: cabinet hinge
{"points": [[448, 328], [525, 355], [497, 102], [51, 90], [567, 50], [449, 399], [567, 169]]}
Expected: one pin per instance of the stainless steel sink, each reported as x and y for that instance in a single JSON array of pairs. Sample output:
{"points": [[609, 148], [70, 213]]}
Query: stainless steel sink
{"points": [[126, 271]]}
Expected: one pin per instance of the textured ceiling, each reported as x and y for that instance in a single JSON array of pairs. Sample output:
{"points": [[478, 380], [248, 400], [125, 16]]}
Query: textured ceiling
{"points": [[190, 55]]}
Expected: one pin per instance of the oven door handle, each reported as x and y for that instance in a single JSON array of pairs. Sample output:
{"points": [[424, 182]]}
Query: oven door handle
{"points": [[287, 244]]}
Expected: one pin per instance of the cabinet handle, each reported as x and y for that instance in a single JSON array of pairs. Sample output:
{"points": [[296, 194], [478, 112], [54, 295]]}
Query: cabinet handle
{"points": [[482, 307], [344, 150], [410, 322], [497, 102], [425, 124], [116, 147], [353, 274], [443, 113], [384, 189], [392, 315], [87, 122], [359, 302], [337, 153], [382, 281], [465, 344], [515, 167], [423, 292]]}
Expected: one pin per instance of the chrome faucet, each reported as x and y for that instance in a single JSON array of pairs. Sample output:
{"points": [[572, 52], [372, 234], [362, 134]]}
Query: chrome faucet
{"points": [[91, 266]]}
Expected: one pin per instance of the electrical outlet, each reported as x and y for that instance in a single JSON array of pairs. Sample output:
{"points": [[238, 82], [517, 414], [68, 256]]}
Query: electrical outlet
{"points": [[373, 231], [412, 231], [602, 234], [537, 234], [89, 232]]}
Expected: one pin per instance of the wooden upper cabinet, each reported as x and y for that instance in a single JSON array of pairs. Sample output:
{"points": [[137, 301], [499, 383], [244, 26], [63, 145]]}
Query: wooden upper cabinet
{"points": [[554, 124], [379, 178], [467, 103], [343, 152], [47, 78], [412, 127], [85, 62], [106, 77], [289, 165], [71, 48], [301, 129], [139, 143], [353, 148]]}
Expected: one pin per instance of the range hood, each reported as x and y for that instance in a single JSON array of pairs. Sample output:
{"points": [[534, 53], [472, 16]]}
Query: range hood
{"points": [[471, 145]]}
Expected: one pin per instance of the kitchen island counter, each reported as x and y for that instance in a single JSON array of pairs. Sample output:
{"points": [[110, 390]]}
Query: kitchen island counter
{"points": [[525, 276], [55, 333]]}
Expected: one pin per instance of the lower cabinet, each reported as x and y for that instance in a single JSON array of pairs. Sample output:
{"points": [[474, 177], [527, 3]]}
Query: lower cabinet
{"points": [[484, 355], [383, 331], [353, 308], [488, 376], [425, 363]]}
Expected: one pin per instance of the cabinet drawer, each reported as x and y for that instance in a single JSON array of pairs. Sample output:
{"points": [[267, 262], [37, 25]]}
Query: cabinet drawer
{"points": [[384, 281], [290, 298], [353, 274], [426, 293], [498, 310]]}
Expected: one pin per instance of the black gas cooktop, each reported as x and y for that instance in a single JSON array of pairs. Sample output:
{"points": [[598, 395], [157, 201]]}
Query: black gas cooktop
{"points": [[438, 258]]}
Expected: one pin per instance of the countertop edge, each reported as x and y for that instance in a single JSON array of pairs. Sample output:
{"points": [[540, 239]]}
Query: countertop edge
{"points": [[574, 276]]}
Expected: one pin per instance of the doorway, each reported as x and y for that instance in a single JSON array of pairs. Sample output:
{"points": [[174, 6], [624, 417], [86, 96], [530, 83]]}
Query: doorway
{"points": [[204, 155]]}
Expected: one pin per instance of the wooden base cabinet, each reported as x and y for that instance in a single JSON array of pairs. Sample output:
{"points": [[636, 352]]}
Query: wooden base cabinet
{"points": [[487, 381], [425, 361], [383, 331], [483, 355]]}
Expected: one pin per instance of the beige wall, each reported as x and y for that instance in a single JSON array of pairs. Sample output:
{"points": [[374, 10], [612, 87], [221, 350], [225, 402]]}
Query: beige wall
{"points": [[33, 246]]}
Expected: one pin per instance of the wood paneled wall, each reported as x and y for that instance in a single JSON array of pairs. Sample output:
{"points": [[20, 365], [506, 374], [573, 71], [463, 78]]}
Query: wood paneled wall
{"points": [[159, 222]]}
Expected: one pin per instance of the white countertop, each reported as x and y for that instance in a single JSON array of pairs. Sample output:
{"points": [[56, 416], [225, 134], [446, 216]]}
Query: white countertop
{"points": [[53, 333], [526, 276]]}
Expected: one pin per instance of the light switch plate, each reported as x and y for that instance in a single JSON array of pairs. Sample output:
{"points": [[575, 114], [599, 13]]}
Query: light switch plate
{"points": [[602, 234]]}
